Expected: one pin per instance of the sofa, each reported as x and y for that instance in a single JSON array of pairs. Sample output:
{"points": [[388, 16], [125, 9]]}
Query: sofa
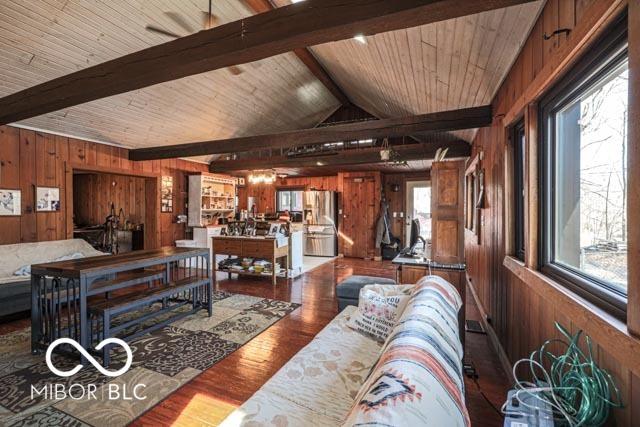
{"points": [[15, 289], [345, 378]]}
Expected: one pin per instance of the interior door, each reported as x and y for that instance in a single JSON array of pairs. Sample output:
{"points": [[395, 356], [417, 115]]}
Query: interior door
{"points": [[418, 207], [447, 208], [359, 217]]}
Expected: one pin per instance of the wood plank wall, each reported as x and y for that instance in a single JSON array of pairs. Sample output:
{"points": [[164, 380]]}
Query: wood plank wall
{"points": [[96, 192], [265, 195], [29, 159], [522, 305], [352, 197]]}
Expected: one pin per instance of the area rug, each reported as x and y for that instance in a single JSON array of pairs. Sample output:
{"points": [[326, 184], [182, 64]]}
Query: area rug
{"points": [[163, 361]]}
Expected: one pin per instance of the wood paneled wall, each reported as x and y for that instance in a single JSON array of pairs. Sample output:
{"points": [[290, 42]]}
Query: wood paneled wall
{"points": [[359, 200], [521, 304], [265, 195], [95, 192], [29, 159]]}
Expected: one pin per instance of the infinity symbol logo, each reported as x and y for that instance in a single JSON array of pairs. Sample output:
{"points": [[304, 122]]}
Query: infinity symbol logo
{"points": [[90, 358]]}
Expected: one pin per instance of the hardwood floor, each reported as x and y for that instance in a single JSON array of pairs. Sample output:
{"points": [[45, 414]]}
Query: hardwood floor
{"points": [[234, 379]]}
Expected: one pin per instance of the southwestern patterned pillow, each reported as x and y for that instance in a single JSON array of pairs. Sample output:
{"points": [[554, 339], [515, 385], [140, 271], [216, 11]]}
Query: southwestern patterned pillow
{"points": [[379, 307], [418, 379]]}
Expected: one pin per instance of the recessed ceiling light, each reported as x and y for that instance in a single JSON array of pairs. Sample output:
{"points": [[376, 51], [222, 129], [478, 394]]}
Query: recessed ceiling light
{"points": [[320, 163], [360, 38], [296, 1]]}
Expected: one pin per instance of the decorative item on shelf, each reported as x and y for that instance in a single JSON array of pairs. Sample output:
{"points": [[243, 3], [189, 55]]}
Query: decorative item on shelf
{"points": [[10, 202], [166, 191], [47, 199], [266, 176]]}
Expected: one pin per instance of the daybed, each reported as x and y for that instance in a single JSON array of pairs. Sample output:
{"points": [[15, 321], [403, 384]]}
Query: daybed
{"points": [[15, 289]]}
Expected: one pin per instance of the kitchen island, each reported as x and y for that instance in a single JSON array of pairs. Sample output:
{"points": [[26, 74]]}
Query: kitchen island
{"points": [[260, 247]]}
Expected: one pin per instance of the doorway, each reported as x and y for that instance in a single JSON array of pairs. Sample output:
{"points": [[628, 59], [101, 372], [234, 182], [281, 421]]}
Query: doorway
{"points": [[418, 204], [135, 196]]}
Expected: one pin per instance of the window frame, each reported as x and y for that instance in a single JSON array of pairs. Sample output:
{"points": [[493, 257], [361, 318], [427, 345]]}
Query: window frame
{"points": [[603, 58], [286, 190], [518, 140]]}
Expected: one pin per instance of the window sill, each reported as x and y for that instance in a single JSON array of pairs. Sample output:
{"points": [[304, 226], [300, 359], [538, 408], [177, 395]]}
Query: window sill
{"points": [[605, 329]]}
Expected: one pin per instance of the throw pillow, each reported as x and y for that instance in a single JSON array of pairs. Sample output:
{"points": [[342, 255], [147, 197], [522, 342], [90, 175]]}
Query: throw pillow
{"points": [[377, 312]]}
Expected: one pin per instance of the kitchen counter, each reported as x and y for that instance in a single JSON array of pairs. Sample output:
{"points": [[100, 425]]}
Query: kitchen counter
{"points": [[421, 261]]}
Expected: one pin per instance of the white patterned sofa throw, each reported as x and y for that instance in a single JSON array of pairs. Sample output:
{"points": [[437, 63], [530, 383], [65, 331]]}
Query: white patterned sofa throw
{"points": [[332, 381], [18, 258]]}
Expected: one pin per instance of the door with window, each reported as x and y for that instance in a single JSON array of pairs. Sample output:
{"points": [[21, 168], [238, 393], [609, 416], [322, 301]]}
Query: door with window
{"points": [[418, 207]]}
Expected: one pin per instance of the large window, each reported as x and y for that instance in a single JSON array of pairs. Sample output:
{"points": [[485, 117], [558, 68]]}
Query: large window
{"points": [[518, 139], [584, 175], [289, 200]]}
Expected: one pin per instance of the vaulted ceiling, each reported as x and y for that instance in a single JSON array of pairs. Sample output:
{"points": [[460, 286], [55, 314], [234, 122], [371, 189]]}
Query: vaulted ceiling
{"points": [[448, 65]]}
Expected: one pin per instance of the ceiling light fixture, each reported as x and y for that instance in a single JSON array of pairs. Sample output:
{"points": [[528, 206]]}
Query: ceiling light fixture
{"points": [[360, 38], [262, 177]]}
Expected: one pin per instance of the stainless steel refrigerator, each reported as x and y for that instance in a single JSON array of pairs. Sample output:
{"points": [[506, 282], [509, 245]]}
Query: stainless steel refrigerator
{"points": [[320, 223]]}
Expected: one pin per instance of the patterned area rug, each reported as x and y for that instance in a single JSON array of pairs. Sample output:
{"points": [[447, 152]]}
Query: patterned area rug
{"points": [[163, 361]]}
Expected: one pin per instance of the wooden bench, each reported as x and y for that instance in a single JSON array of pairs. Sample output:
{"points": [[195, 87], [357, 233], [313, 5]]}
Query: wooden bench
{"points": [[107, 309]]}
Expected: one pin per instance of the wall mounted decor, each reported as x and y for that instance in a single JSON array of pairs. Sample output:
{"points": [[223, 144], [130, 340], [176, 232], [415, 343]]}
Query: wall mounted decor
{"points": [[9, 202], [47, 199], [166, 191]]}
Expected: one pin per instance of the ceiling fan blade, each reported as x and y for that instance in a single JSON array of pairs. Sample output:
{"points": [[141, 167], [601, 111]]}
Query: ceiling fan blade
{"points": [[154, 29], [178, 19], [206, 23], [235, 70]]}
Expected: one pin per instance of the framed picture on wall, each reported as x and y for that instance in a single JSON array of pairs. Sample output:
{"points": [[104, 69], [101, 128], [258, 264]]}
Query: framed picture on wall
{"points": [[166, 191], [10, 202], [47, 199]]}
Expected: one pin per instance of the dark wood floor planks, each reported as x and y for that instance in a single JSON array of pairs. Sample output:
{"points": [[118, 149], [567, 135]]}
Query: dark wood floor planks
{"points": [[234, 379]]}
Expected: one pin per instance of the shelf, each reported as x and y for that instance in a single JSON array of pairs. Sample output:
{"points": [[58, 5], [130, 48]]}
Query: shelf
{"points": [[126, 279], [217, 210], [218, 197], [250, 273]]}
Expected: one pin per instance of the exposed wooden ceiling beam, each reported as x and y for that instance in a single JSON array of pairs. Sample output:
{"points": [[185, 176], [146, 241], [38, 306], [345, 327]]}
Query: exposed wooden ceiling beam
{"points": [[257, 37], [342, 158], [305, 55], [467, 118]]}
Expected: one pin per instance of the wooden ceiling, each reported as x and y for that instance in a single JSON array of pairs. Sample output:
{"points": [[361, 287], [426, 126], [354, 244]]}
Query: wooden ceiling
{"points": [[41, 40], [448, 65], [458, 63]]}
